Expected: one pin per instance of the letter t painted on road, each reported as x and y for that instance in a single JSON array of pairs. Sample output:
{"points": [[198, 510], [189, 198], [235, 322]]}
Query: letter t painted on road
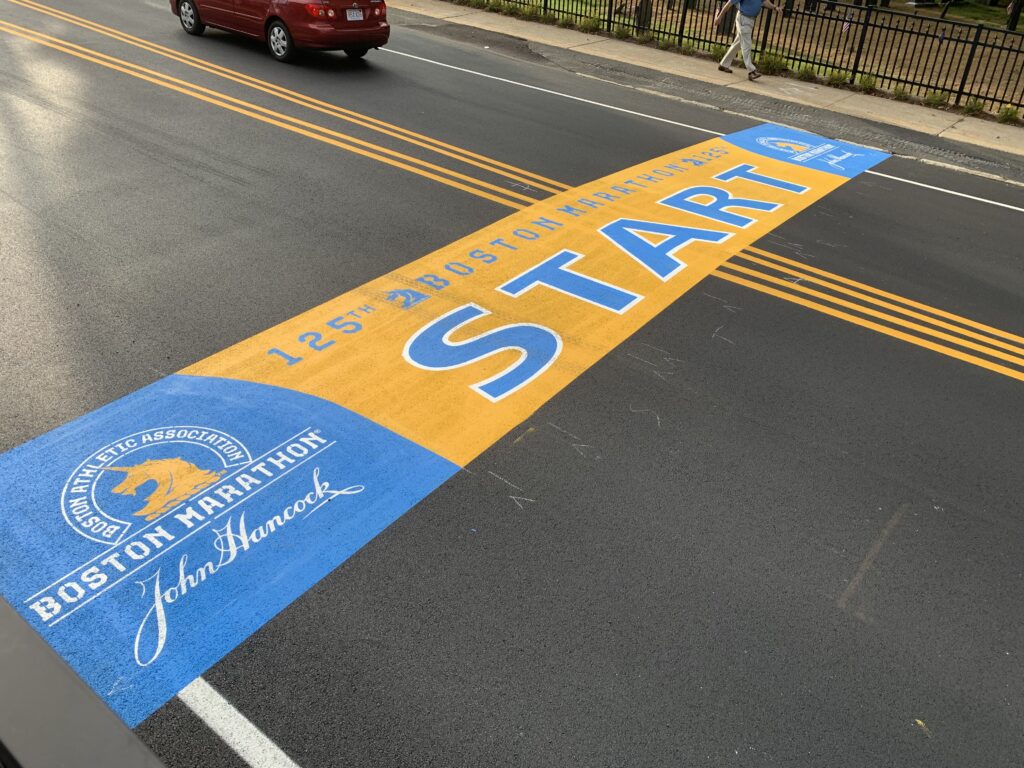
{"points": [[554, 272]]}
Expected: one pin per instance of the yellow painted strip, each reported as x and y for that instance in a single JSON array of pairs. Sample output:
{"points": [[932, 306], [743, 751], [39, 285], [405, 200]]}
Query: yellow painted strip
{"points": [[902, 299], [829, 298], [896, 334], [270, 117], [462, 155], [366, 371], [861, 296]]}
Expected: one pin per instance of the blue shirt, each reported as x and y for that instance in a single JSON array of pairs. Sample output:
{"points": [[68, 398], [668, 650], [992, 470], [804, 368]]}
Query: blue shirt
{"points": [[748, 7]]}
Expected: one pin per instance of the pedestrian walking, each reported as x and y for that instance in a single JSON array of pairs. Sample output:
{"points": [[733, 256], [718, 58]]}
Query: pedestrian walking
{"points": [[747, 14]]}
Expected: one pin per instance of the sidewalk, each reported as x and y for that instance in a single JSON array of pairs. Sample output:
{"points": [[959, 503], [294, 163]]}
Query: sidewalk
{"points": [[934, 122]]}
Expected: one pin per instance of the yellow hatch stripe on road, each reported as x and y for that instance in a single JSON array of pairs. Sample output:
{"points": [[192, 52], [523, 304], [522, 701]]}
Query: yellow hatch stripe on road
{"points": [[458, 153], [372, 365], [828, 277], [310, 130], [868, 310], [864, 323]]}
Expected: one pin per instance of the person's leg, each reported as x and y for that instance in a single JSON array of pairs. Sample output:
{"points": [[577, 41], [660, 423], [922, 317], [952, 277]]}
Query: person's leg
{"points": [[731, 53], [745, 27]]}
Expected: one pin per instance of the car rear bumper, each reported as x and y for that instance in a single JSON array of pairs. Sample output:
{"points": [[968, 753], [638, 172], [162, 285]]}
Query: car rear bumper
{"points": [[326, 37]]}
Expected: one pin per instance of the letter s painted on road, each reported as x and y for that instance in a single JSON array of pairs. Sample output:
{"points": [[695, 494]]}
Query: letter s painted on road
{"points": [[431, 349]]}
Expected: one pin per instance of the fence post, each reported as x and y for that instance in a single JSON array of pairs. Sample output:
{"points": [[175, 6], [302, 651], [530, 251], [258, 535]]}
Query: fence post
{"points": [[545, 7], [682, 22], [764, 31], [970, 60], [611, 12], [860, 43]]}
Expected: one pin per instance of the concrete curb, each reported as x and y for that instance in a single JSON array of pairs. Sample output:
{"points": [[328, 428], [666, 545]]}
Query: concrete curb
{"points": [[933, 122]]}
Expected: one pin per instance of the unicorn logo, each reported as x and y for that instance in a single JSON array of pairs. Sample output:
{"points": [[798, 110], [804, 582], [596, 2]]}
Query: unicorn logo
{"points": [[166, 465], [176, 480], [783, 145], [406, 297]]}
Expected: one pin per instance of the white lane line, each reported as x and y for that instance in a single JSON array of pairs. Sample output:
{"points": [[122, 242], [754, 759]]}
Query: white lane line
{"points": [[681, 125], [553, 93], [246, 739], [949, 191]]}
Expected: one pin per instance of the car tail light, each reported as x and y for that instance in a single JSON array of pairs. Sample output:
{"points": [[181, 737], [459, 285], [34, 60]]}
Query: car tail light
{"points": [[319, 11], [378, 9]]}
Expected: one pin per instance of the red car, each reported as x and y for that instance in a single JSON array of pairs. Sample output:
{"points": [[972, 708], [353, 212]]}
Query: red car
{"points": [[353, 26]]}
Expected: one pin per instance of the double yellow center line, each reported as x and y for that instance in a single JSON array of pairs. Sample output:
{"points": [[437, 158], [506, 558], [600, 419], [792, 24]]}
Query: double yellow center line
{"points": [[759, 270], [443, 175], [380, 126]]}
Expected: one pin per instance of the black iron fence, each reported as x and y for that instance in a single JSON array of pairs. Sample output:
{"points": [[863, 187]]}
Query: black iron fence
{"points": [[875, 47]]}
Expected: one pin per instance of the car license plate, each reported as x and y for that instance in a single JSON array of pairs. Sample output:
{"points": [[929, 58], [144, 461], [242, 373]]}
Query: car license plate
{"points": [[354, 14]]}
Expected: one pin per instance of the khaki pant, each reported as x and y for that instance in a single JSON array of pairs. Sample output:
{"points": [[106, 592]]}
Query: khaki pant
{"points": [[744, 36]]}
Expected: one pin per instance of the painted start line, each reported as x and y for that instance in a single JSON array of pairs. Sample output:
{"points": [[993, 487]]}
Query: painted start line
{"points": [[145, 540]]}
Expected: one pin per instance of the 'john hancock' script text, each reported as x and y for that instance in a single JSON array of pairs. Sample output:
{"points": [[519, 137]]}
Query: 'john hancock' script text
{"points": [[230, 541]]}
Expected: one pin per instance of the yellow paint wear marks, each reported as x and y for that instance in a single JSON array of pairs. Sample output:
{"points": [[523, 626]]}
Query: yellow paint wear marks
{"points": [[832, 278], [310, 130], [896, 334], [462, 155], [918, 328], [366, 371], [924, 728]]}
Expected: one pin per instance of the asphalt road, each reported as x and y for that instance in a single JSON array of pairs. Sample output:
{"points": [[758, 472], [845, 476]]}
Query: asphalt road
{"points": [[754, 534]]}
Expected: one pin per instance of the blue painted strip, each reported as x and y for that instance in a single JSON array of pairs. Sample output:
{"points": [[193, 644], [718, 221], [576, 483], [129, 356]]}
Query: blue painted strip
{"points": [[807, 150], [269, 490]]}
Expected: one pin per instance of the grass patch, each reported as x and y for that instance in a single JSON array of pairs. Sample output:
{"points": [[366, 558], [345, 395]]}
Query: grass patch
{"points": [[688, 48], [622, 32], [936, 99], [900, 93], [531, 13], [549, 18], [838, 77], [867, 83], [591, 25], [1008, 114], [973, 107], [718, 51], [665, 44], [772, 64], [564, 21], [807, 73], [646, 38]]}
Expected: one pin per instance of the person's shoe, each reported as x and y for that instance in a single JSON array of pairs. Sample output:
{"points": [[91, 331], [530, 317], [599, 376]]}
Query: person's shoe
{"points": [[753, 75], [723, 68]]}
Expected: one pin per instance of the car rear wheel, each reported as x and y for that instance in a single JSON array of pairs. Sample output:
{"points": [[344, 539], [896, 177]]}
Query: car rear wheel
{"points": [[279, 41], [189, 17], [356, 53]]}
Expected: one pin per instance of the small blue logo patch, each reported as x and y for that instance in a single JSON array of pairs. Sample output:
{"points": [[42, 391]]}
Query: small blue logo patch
{"points": [[808, 150], [406, 298], [798, 152]]}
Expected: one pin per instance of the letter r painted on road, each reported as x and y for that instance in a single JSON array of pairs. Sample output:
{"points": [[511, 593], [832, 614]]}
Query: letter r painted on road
{"points": [[432, 350], [554, 272], [658, 256], [719, 208], [747, 171]]}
